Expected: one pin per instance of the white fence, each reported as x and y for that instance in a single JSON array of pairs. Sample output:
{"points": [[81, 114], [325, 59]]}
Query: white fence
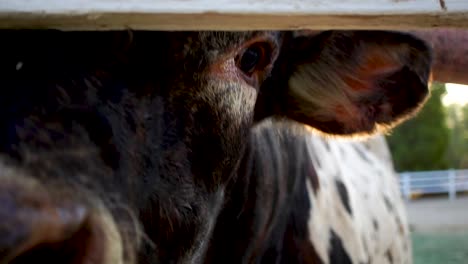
{"points": [[433, 182], [232, 15]]}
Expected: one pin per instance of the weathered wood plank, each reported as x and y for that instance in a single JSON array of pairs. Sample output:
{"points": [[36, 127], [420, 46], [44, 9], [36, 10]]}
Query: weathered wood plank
{"points": [[232, 15]]}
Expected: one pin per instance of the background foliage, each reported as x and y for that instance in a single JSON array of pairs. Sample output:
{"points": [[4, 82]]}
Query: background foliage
{"points": [[436, 139]]}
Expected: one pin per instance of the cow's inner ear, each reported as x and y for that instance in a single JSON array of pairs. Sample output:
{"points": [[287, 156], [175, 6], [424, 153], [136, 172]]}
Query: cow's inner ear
{"points": [[346, 82]]}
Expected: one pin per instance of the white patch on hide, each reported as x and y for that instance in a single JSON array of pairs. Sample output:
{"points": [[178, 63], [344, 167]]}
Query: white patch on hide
{"points": [[367, 180]]}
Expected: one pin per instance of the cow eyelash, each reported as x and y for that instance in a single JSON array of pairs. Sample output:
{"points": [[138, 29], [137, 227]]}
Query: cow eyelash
{"points": [[255, 57]]}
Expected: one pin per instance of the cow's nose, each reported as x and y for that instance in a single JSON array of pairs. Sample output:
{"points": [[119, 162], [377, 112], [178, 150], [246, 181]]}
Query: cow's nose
{"points": [[36, 228]]}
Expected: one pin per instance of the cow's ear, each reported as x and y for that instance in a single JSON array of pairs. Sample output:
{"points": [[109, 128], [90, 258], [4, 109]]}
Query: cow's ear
{"points": [[346, 82]]}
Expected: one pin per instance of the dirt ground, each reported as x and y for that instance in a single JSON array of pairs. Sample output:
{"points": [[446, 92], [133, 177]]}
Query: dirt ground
{"points": [[440, 248], [440, 230], [438, 214]]}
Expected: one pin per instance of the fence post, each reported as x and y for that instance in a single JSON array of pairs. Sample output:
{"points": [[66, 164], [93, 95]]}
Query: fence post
{"points": [[406, 186], [452, 186]]}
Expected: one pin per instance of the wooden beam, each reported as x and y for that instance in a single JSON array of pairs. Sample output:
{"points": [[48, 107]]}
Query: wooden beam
{"points": [[232, 15]]}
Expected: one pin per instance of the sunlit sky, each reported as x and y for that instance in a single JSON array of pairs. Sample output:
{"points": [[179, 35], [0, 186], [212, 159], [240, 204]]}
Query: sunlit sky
{"points": [[456, 94]]}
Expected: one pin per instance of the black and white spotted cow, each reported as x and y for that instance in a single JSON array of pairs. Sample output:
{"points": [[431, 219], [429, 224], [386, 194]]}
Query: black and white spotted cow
{"points": [[311, 199], [374, 228], [194, 147]]}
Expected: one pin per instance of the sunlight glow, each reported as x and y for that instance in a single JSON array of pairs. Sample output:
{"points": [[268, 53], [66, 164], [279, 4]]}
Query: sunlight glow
{"points": [[456, 94]]}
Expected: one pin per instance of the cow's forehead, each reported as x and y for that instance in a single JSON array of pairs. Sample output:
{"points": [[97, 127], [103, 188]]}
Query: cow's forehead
{"points": [[209, 41], [226, 40]]}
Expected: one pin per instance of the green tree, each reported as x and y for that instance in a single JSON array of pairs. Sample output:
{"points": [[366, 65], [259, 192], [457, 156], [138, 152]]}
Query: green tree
{"points": [[463, 164], [458, 123], [422, 142]]}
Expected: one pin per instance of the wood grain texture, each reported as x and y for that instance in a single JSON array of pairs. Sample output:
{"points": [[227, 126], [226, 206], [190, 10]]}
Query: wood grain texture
{"points": [[232, 15], [450, 48]]}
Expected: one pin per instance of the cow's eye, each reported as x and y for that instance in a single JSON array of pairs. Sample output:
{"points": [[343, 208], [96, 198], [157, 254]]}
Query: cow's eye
{"points": [[255, 57]]}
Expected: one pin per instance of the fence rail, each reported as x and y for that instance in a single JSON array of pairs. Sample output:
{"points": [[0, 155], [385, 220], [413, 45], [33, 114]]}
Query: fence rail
{"points": [[232, 15], [434, 182]]}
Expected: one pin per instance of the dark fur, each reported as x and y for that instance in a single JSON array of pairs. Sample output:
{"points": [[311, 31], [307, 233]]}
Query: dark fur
{"points": [[265, 218], [153, 126]]}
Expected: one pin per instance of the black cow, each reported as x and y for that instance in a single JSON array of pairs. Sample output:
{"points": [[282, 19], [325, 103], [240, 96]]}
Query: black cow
{"points": [[136, 147]]}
